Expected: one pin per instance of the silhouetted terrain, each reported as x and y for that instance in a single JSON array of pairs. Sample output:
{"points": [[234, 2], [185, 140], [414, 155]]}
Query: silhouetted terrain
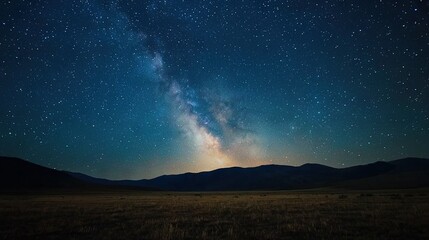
{"points": [[406, 173], [268, 177], [403, 173], [17, 174]]}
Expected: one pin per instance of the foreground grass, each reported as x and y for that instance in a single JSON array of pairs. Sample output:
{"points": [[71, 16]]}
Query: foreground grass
{"points": [[253, 215]]}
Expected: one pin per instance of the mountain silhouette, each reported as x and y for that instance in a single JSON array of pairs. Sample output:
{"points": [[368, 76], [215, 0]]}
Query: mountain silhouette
{"points": [[403, 173], [406, 173], [16, 174]]}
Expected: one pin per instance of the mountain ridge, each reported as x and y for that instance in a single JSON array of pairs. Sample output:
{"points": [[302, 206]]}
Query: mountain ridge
{"points": [[16, 173], [404, 173], [198, 181]]}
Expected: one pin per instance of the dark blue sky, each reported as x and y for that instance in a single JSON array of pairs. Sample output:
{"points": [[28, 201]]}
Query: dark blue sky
{"points": [[137, 89]]}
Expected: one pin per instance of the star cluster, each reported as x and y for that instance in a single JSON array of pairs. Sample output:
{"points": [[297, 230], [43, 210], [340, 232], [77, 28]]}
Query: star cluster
{"points": [[136, 89]]}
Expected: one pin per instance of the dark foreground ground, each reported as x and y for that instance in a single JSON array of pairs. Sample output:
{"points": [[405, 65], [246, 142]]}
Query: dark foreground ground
{"points": [[251, 215]]}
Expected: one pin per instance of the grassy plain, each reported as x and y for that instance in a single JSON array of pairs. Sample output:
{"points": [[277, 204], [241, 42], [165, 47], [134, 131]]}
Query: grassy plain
{"points": [[316, 214]]}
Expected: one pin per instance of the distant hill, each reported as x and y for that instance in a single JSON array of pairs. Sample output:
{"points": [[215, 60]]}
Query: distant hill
{"points": [[406, 173], [268, 177], [16, 174], [402, 173]]}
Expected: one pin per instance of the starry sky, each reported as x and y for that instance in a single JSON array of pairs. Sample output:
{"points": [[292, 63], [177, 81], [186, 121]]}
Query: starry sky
{"points": [[136, 89]]}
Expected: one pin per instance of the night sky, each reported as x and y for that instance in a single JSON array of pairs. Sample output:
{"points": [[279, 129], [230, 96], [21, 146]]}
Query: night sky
{"points": [[137, 89]]}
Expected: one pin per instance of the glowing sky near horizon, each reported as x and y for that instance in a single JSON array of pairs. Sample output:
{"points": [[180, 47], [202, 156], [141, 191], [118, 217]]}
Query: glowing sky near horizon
{"points": [[137, 89]]}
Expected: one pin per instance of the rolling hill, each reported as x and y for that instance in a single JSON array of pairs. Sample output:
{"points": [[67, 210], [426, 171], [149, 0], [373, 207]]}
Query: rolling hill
{"points": [[402, 173], [18, 174]]}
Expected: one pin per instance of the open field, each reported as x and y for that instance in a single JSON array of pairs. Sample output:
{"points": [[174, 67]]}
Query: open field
{"points": [[238, 215]]}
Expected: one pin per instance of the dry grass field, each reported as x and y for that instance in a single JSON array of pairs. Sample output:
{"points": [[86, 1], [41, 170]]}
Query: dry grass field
{"points": [[241, 215]]}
